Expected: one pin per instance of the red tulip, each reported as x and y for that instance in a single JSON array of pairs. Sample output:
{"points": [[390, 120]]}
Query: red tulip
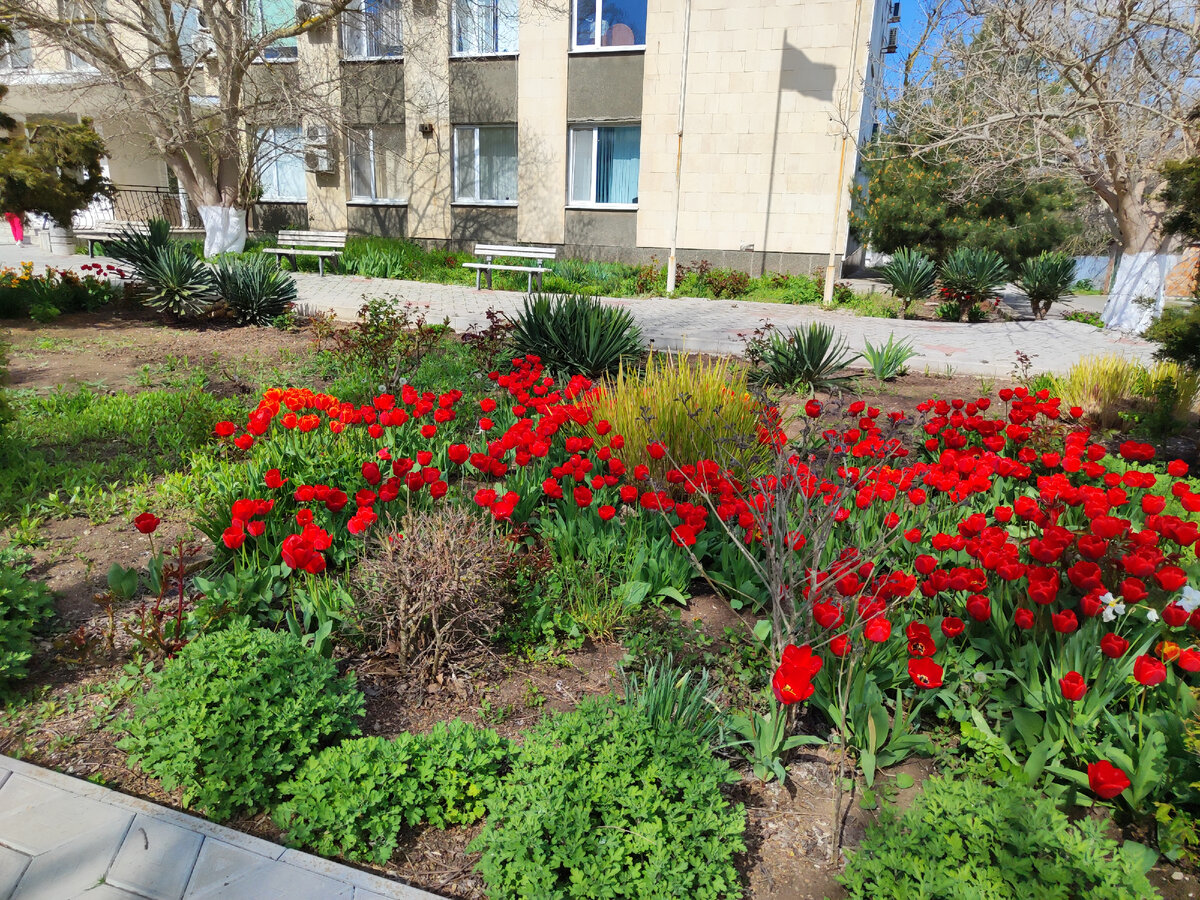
{"points": [[877, 630], [1113, 645], [1106, 780], [952, 626], [792, 682], [1073, 686], [1149, 671], [1023, 618], [925, 672], [146, 522]]}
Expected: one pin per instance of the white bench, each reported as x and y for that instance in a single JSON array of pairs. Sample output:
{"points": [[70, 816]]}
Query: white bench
{"points": [[321, 244], [539, 255], [112, 230]]}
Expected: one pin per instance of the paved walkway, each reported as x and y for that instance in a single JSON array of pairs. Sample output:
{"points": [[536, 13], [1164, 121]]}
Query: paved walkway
{"points": [[716, 326], [66, 839]]}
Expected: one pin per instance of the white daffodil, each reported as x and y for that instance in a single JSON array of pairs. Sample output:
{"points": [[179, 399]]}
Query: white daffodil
{"points": [[1190, 601], [1151, 616], [1112, 608]]}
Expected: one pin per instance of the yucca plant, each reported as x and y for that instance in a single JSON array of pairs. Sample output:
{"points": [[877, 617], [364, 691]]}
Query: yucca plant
{"points": [[697, 407], [177, 282], [807, 358], [254, 288], [139, 247], [911, 275], [576, 335], [1046, 278], [972, 275], [888, 360]]}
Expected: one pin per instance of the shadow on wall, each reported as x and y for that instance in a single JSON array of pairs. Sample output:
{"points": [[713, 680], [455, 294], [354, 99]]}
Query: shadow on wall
{"points": [[809, 78]]}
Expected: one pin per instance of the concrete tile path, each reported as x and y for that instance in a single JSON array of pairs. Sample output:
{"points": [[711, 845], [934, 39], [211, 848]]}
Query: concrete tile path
{"points": [[715, 326], [66, 839]]}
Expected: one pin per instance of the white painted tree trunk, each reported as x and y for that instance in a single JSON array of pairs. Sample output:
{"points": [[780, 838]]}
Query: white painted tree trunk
{"points": [[1140, 276], [224, 229]]}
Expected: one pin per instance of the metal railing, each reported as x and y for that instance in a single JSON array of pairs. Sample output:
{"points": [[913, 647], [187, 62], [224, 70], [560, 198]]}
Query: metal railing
{"points": [[137, 203]]}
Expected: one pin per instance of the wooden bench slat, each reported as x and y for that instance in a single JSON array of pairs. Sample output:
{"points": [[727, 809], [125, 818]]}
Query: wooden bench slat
{"points": [[505, 268]]}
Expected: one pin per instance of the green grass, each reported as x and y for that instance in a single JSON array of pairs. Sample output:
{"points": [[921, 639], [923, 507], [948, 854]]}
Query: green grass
{"points": [[82, 453]]}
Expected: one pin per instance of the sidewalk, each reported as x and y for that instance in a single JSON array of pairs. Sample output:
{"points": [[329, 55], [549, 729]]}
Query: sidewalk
{"points": [[716, 326], [62, 839]]}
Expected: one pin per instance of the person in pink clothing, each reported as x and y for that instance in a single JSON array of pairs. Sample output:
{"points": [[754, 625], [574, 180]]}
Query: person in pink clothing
{"points": [[17, 224]]}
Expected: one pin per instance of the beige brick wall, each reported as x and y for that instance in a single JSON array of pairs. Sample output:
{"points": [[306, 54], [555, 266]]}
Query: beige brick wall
{"points": [[542, 122], [761, 147], [427, 100]]}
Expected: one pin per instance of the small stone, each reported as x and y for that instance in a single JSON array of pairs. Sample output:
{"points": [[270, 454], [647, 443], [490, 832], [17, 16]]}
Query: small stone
{"points": [[1177, 876]]}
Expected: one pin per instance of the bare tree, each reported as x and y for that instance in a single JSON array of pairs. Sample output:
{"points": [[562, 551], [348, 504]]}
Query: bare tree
{"points": [[1097, 90], [206, 77]]}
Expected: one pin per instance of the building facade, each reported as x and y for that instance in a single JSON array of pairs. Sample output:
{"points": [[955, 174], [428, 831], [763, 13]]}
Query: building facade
{"points": [[556, 122]]}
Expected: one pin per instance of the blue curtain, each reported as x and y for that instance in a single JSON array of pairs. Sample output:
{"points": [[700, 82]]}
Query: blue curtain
{"points": [[618, 155]]}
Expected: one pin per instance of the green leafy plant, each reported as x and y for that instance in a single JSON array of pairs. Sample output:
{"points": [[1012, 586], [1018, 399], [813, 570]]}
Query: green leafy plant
{"points": [[970, 276], [1087, 317], [25, 606], [766, 742], [966, 839], [890, 359], [1045, 279], [254, 288], [670, 693], [911, 275], [353, 799], [176, 281], [574, 818], [576, 334], [140, 247], [236, 713], [807, 358], [1178, 331]]}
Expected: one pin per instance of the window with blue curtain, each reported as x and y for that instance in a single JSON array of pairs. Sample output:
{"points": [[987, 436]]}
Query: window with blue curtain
{"points": [[604, 164], [609, 23], [270, 16]]}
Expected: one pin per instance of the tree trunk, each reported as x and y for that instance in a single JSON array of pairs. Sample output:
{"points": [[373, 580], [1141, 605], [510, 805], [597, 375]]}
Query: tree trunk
{"points": [[1135, 297], [218, 203], [224, 229]]}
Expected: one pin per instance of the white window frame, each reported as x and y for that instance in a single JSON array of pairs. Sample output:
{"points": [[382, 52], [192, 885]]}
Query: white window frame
{"points": [[358, 199], [591, 202], [17, 50], [597, 47], [463, 54], [360, 53], [267, 138], [475, 201]]}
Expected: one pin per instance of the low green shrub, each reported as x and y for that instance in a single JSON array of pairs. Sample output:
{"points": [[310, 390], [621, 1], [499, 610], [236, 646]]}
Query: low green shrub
{"points": [[1178, 330], [911, 275], [600, 803], [576, 334], [1085, 316], [45, 297], [236, 713], [969, 839], [890, 359], [25, 606], [254, 288], [353, 799]]}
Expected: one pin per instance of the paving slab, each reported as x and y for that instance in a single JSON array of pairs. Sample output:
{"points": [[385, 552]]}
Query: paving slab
{"points": [[720, 326], [62, 838]]}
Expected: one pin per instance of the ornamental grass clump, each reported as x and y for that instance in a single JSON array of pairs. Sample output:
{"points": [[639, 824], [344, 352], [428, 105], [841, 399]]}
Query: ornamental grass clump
{"points": [[601, 803], [235, 714]]}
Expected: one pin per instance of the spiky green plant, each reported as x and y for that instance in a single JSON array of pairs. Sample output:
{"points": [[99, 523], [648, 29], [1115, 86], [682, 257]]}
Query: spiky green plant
{"points": [[574, 334], [669, 693], [139, 246], [254, 288], [888, 360], [1046, 278], [807, 358], [972, 275], [176, 281], [911, 275]]}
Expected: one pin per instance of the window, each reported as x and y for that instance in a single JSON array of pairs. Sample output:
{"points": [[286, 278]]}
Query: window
{"points": [[604, 164], [17, 54], [485, 163], [376, 158], [481, 27], [280, 163], [184, 27], [82, 17], [609, 23], [269, 16], [371, 29]]}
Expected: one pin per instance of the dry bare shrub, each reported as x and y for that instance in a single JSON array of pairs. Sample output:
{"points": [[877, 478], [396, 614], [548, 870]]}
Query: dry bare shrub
{"points": [[435, 592]]}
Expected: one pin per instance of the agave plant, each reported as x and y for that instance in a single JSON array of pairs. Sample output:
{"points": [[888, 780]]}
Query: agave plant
{"points": [[890, 359], [911, 275], [177, 281], [139, 246], [972, 275], [572, 333], [1046, 278], [254, 288], [809, 357]]}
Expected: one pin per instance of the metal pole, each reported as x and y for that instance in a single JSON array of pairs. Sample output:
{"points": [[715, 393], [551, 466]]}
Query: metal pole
{"points": [[839, 188], [687, 31]]}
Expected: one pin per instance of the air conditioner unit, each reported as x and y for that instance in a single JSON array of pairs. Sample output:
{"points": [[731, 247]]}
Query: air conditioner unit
{"points": [[318, 160], [895, 16], [316, 137], [893, 35]]}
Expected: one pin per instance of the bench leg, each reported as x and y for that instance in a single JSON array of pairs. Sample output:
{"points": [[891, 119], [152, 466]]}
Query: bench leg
{"points": [[489, 271], [529, 282], [91, 249], [321, 265], [478, 272]]}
